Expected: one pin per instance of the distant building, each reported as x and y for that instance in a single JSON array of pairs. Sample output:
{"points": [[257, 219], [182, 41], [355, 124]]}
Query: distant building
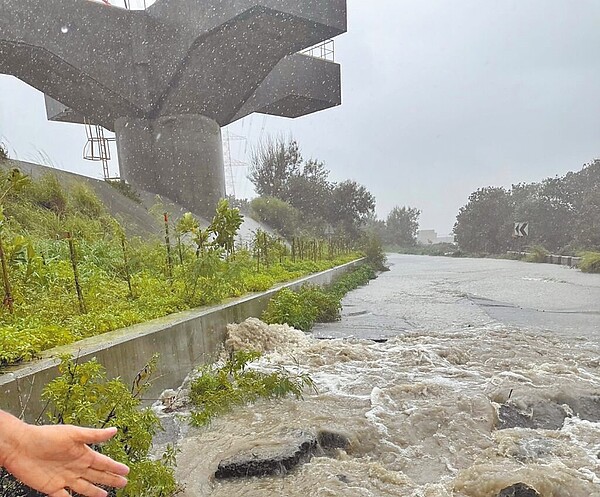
{"points": [[430, 237], [426, 237]]}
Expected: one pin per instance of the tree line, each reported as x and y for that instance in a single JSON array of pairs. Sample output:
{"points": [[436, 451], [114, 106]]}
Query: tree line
{"points": [[563, 215], [297, 196]]}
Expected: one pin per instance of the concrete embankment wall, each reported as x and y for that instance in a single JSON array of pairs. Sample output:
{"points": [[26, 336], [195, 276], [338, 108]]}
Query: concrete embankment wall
{"points": [[564, 260], [183, 341]]}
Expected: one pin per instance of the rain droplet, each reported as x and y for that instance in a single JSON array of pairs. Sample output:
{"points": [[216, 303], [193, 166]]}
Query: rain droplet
{"points": [[64, 29]]}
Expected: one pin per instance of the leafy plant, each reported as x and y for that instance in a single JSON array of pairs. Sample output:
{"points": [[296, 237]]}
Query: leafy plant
{"points": [[3, 153], [311, 304], [225, 226], [82, 395], [219, 389], [290, 308], [590, 262], [278, 214], [537, 253], [374, 253]]}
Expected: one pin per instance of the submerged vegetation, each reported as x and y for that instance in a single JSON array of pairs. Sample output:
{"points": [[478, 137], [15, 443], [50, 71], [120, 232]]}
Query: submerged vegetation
{"points": [[70, 272], [219, 389]]}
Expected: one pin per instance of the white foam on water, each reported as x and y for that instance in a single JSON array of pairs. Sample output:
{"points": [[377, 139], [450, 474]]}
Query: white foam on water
{"points": [[420, 412]]}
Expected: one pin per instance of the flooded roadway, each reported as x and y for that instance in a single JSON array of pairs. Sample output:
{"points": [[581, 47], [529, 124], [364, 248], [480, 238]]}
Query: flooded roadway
{"points": [[463, 337]]}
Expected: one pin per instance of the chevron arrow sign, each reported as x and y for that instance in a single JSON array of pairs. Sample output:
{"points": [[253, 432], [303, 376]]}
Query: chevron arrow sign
{"points": [[521, 229]]}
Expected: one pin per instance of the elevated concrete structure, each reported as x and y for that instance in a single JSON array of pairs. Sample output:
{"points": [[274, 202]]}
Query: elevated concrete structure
{"points": [[166, 79]]}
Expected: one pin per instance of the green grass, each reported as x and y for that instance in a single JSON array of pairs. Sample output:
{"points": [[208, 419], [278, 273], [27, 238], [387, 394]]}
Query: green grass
{"points": [[47, 312], [537, 253], [590, 262]]}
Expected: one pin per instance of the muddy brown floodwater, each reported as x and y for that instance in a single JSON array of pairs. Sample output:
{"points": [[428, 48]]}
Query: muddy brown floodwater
{"points": [[465, 340]]}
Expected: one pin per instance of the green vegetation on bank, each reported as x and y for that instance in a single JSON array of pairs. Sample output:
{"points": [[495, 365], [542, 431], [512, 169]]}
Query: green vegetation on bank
{"points": [[590, 262], [438, 249], [69, 272], [537, 253], [82, 395], [310, 304]]}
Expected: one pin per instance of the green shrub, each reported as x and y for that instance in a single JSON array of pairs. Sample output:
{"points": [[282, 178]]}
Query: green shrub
{"points": [[219, 390], [278, 214], [82, 395], [125, 189], [289, 307], [328, 304], [537, 253], [353, 280], [310, 304], [375, 256], [3, 153], [590, 262]]}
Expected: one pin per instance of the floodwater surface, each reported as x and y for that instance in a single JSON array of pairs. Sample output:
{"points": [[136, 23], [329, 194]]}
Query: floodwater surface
{"points": [[461, 339]]}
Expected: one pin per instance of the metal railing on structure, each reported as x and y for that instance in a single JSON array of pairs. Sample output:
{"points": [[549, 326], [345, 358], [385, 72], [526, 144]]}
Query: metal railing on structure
{"points": [[324, 50]]}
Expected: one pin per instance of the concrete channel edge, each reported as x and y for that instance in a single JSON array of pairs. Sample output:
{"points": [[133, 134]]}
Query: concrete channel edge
{"points": [[184, 341]]}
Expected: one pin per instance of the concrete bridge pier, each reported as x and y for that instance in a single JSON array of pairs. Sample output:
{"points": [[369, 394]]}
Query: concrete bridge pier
{"points": [[166, 78], [178, 156]]}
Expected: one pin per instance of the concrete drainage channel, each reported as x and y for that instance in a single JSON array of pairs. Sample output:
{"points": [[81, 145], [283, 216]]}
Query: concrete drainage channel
{"points": [[183, 341]]}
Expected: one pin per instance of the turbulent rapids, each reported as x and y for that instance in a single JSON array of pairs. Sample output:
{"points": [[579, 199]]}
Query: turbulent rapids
{"points": [[430, 412]]}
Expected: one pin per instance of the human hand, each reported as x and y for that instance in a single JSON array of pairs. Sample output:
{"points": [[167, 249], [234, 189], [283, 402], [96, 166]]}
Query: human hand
{"points": [[54, 458]]}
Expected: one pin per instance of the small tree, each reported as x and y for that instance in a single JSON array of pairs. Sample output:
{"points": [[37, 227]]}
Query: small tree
{"points": [[272, 165], [402, 225], [352, 204], [276, 213], [225, 226]]}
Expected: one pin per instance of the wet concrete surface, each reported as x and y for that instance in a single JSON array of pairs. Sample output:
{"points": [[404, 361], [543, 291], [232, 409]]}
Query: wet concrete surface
{"points": [[422, 291]]}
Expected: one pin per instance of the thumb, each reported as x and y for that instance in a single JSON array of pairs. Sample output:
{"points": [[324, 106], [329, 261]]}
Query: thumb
{"points": [[94, 436]]}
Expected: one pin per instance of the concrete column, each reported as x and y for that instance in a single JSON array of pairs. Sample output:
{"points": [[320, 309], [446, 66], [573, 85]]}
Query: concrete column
{"points": [[179, 156]]}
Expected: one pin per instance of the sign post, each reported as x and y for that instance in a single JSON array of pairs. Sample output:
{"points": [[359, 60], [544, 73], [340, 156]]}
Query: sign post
{"points": [[521, 230]]}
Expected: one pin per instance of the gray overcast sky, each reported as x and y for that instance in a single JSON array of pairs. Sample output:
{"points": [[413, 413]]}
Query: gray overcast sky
{"points": [[440, 98]]}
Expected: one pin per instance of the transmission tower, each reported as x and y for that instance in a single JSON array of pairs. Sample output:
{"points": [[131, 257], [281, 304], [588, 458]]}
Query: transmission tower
{"points": [[230, 162]]}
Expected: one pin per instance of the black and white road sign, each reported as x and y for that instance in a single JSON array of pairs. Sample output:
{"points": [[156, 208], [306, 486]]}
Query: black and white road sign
{"points": [[521, 229]]}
